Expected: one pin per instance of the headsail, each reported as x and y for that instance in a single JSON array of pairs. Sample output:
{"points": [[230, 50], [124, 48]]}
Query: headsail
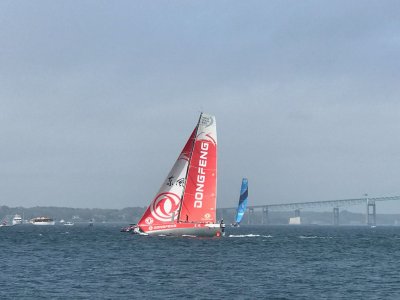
{"points": [[244, 190], [164, 207]]}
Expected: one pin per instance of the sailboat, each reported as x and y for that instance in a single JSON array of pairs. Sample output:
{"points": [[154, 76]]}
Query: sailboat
{"points": [[244, 192], [186, 201]]}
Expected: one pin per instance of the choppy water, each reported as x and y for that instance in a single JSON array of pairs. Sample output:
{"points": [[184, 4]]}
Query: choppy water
{"points": [[274, 262]]}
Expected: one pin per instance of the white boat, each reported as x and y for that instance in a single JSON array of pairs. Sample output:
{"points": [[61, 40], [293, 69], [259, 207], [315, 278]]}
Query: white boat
{"points": [[42, 221], [185, 204], [294, 221], [69, 224], [17, 220]]}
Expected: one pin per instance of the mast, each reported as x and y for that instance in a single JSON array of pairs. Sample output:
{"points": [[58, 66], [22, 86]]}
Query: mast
{"points": [[187, 170]]}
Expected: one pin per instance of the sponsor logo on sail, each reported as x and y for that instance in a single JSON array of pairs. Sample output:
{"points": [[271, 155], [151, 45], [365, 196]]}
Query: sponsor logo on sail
{"points": [[201, 175], [165, 207], [207, 216], [206, 121]]}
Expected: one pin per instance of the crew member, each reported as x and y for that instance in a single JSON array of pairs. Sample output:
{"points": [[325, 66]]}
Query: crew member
{"points": [[222, 225]]}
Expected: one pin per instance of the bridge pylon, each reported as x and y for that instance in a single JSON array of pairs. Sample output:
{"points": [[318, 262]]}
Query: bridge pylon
{"points": [[371, 212], [336, 216], [250, 220], [264, 215]]}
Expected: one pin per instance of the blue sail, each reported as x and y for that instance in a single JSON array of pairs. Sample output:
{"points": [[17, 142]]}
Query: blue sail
{"points": [[244, 190]]}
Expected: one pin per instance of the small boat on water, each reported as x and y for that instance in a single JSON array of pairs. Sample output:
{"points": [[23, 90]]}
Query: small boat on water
{"points": [[244, 193], [69, 224], [294, 221], [185, 204], [42, 221], [11, 220], [128, 228], [17, 220]]}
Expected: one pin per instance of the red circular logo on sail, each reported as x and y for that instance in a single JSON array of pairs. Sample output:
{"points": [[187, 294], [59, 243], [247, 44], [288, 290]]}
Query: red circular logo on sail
{"points": [[149, 220], [164, 206]]}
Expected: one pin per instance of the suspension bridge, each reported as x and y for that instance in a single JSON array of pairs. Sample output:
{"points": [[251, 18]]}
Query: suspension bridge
{"points": [[369, 202]]}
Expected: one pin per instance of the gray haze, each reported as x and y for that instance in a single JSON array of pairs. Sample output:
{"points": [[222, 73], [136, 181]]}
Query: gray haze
{"points": [[97, 98]]}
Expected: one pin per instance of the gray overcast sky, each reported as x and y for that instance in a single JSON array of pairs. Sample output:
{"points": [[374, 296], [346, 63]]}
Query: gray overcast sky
{"points": [[97, 98]]}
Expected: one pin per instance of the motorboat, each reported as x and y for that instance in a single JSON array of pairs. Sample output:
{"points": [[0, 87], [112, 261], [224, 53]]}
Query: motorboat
{"points": [[42, 221], [17, 220]]}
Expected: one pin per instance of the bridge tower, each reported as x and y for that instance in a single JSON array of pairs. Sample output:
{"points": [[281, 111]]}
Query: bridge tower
{"points": [[264, 215], [371, 212], [250, 220], [336, 216]]}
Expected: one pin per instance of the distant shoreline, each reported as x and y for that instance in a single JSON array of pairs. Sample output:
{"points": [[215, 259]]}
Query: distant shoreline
{"points": [[133, 214]]}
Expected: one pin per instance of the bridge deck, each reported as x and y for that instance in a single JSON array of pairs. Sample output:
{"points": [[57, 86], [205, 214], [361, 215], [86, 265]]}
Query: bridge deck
{"points": [[332, 203]]}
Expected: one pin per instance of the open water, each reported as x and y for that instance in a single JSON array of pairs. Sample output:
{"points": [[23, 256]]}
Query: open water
{"points": [[253, 262]]}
